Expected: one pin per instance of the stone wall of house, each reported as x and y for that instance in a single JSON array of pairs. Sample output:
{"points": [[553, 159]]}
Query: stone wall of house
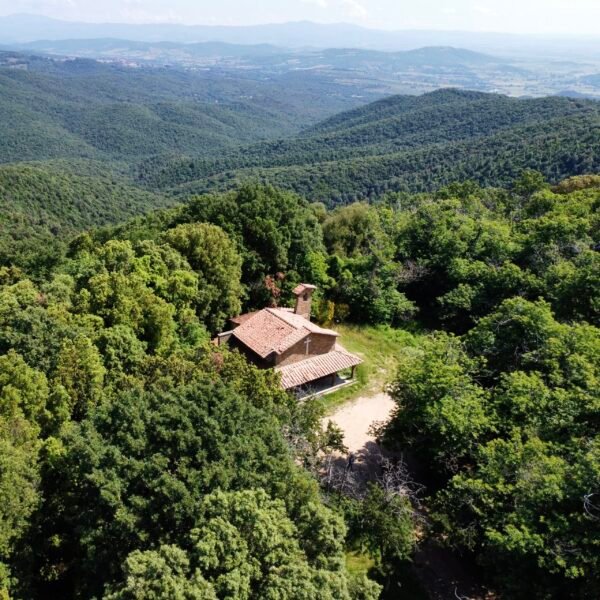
{"points": [[262, 363], [319, 344]]}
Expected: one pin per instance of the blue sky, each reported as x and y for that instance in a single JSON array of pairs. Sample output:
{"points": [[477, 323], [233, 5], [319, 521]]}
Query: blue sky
{"points": [[518, 16]]}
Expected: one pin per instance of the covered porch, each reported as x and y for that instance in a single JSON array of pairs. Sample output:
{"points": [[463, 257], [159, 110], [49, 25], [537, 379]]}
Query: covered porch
{"points": [[324, 387], [320, 375]]}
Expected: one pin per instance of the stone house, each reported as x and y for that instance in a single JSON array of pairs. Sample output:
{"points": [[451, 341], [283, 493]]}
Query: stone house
{"points": [[285, 339]]}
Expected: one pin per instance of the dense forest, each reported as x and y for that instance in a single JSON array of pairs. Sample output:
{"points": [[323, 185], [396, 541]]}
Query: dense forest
{"points": [[88, 144], [140, 461], [73, 133], [141, 208], [406, 144], [78, 108], [42, 205]]}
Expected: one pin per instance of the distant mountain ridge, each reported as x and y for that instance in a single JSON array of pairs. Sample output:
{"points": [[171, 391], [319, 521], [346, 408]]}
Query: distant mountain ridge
{"points": [[412, 64], [265, 56], [97, 46], [449, 55], [29, 28]]}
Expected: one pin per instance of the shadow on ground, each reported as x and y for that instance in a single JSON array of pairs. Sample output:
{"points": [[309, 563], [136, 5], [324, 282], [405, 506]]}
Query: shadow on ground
{"points": [[368, 462], [436, 573]]}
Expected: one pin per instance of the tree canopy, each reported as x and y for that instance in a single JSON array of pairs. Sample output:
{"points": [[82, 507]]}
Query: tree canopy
{"points": [[134, 453]]}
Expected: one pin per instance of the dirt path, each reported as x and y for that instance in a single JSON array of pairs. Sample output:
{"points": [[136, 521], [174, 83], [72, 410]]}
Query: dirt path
{"points": [[356, 417], [442, 574]]}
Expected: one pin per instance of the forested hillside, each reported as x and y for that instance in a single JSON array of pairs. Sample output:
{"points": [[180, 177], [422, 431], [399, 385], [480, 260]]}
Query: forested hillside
{"points": [[179, 132], [408, 144], [77, 108], [138, 214], [84, 126], [42, 206], [135, 455]]}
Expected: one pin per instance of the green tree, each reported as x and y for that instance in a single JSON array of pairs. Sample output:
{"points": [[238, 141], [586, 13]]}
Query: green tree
{"points": [[275, 231], [529, 182], [158, 574], [23, 390], [507, 418], [214, 258], [19, 486], [441, 410], [137, 468], [81, 373], [248, 547]]}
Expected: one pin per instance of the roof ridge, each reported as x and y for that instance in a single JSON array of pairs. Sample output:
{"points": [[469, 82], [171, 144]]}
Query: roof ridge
{"points": [[282, 346], [276, 330], [276, 312], [300, 322]]}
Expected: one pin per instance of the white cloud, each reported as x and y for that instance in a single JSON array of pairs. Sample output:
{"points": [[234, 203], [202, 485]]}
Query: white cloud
{"points": [[355, 9]]}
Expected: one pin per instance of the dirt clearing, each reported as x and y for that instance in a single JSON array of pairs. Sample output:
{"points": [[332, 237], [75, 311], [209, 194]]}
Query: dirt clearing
{"points": [[356, 417]]}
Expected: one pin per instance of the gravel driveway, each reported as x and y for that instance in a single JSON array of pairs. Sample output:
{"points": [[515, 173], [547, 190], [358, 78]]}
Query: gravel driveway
{"points": [[356, 417]]}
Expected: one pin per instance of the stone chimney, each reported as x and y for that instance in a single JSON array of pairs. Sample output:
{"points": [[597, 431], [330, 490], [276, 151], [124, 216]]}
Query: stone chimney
{"points": [[303, 295]]}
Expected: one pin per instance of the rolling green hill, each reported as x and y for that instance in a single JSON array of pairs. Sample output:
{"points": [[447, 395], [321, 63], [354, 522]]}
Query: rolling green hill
{"points": [[112, 142], [407, 143], [72, 129], [79, 108], [42, 206]]}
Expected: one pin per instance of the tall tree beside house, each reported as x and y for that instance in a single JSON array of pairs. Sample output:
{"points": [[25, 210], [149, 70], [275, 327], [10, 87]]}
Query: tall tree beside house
{"points": [[276, 231], [365, 277], [213, 256]]}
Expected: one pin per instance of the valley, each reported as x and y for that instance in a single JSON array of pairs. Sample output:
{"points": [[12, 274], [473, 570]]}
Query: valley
{"points": [[350, 71], [203, 225]]}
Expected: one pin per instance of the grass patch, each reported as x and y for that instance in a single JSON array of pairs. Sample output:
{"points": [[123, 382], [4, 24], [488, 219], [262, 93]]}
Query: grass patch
{"points": [[379, 347], [359, 564]]}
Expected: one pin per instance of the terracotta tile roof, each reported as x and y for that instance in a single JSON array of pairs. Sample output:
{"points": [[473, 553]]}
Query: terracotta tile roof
{"points": [[299, 322], [275, 330], [316, 367], [242, 318]]}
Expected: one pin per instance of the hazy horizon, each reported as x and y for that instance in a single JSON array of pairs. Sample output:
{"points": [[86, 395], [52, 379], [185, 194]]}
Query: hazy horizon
{"points": [[534, 17]]}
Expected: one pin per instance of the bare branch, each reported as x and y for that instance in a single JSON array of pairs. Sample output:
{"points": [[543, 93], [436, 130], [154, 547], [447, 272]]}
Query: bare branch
{"points": [[458, 596], [395, 479], [591, 508]]}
